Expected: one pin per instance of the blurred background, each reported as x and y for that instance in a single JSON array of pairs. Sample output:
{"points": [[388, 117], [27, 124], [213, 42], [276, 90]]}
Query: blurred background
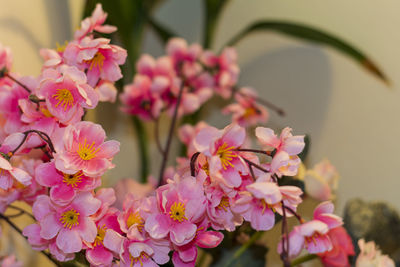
{"points": [[351, 116]]}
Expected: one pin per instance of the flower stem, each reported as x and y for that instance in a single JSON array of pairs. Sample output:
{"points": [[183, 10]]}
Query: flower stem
{"points": [[303, 259], [170, 134], [244, 247], [18, 82]]}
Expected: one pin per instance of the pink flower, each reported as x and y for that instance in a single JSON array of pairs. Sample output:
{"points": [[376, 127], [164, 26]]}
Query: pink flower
{"points": [[106, 91], [7, 197], [187, 134], [180, 205], [186, 255], [129, 187], [10, 174], [81, 147], [321, 181], [256, 205], [100, 59], [67, 93], [64, 187], [286, 147], [246, 112], [371, 256], [342, 248], [10, 261], [313, 235], [94, 23], [220, 148], [6, 58], [70, 224]]}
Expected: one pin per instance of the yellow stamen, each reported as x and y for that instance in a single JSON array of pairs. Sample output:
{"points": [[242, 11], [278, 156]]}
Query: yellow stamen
{"points": [[101, 232], [135, 219], [249, 112], [96, 62], [206, 168], [226, 155], [64, 97], [224, 204], [87, 152], [61, 48], [177, 212], [69, 218], [139, 259], [73, 179], [46, 112]]}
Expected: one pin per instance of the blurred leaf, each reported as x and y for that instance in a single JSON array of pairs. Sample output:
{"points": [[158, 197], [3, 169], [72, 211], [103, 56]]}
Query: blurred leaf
{"points": [[254, 256], [303, 155], [163, 32], [212, 12], [314, 35]]}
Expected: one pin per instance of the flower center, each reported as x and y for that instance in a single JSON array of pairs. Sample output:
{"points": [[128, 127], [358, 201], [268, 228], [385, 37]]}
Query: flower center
{"points": [[69, 218], [97, 61], [46, 112], [206, 168], [177, 212], [249, 112], [134, 218], [87, 152], [224, 204], [226, 155], [61, 48], [73, 179], [64, 97], [143, 256], [101, 232]]}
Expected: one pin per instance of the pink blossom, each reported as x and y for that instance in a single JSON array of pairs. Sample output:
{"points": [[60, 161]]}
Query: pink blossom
{"points": [[100, 59], [7, 197], [94, 23], [220, 148], [6, 57], [106, 91], [321, 181], [10, 261], [187, 134], [10, 174], [52, 58], [81, 147], [180, 205], [371, 256], [64, 187], [342, 248], [67, 94], [70, 224], [228, 72], [246, 112], [129, 187]]}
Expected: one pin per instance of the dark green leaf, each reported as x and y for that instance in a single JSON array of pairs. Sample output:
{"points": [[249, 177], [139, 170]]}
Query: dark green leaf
{"points": [[314, 35], [212, 11], [163, 32]]}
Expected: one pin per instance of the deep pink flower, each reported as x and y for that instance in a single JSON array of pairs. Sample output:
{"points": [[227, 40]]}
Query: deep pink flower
{"points": [[180, 205], [66, 93], [94, 23], [81, 147], [342, 248], [100, 59], [63, 186], [71, 224]]}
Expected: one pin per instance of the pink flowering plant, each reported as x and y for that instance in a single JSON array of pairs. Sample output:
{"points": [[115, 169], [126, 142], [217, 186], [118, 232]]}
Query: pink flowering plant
{"points": [[221, 193]]}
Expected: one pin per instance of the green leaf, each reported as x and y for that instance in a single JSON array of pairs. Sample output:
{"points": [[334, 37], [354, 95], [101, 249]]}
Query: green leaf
{"points": [[163, 32], [212, 11], [314, 35]]}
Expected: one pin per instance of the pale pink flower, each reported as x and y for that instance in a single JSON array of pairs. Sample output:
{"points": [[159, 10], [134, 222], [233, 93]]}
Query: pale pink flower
{"points": [[66, 93], [81, 147], [100, 59], [180, 205], [228, 72], [106, 91], [94, 23], [52, 58], [187, 133], [342, 248], [291, 197], [71, 224], [313, 235], [10, 261], [107, 198], [220, 148], [6, 58], [371, 256], [128, 187], [7, 197], [63, 186], [10, 174], [247, 112], [321, 181]]}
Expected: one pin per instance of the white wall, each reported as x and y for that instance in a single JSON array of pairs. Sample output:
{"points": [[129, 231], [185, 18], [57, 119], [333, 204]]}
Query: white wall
{"points": [[353, 118]]}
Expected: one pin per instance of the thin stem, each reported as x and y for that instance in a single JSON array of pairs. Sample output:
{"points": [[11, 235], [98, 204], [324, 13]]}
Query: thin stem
{"points": [[295, 214], [255, 165], [18, 82], [193, 162], [21, 210], [303, 259], [244, 247], [42, 135], [264, 102], [254, 151], [15, 215], [170, 134], [16, 228]]}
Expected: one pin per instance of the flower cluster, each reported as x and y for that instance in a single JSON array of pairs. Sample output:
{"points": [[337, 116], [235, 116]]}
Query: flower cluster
{"points": [[189, 76]]}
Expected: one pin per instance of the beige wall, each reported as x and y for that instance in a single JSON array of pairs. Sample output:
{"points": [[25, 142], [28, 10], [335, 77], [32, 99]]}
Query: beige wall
{"points": [[353, 118]]}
